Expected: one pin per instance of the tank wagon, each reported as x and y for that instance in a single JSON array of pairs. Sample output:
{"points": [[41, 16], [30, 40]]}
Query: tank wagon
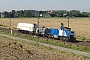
{"points": [[27, 28]]}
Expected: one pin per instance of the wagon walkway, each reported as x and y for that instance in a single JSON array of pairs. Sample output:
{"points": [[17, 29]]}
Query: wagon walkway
{"points": [[52, 46]]}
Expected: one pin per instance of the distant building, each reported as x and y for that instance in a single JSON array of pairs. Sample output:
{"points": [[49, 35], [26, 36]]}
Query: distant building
{"points": [[2, 15], [41, 15], [89, 14], [47, 16], [64, 15], [52, 14]]}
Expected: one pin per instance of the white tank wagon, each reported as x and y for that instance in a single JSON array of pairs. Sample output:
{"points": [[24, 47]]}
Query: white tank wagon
{"points": [[27, 27]]}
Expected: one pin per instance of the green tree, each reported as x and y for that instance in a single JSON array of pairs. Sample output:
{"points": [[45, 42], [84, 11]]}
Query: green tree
{"points": [[13, 11], [6, 14], [85, 14], [11, 15], [75, 13], [21, 13], [27, 13], [59, 13], [17, 14]]}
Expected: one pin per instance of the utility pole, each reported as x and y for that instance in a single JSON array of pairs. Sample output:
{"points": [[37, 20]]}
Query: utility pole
{"points": [[10, 24], [68, 20], [38, 20], [9, 21], [0, 14], [38, 23]]}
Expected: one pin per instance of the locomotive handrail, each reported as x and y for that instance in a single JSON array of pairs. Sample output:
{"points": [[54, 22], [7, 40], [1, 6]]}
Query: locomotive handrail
{"points": [[67, 28]]}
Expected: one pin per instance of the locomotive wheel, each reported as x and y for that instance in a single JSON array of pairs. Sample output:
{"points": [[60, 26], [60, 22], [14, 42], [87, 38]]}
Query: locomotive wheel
{"points": [[64, 38], [61, 38], [52, 37]]}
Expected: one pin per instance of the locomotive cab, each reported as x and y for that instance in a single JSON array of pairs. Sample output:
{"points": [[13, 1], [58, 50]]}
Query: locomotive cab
{"points": [[66, 34]]}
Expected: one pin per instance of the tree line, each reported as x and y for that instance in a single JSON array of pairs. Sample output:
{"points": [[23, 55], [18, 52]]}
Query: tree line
{"points": [[52, 13]]}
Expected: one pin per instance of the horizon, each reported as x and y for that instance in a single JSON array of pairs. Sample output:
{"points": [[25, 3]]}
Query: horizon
{"points": [[41, 10]]}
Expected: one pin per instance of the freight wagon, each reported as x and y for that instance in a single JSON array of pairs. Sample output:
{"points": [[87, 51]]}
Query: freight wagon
{"points": [[27, 28]]}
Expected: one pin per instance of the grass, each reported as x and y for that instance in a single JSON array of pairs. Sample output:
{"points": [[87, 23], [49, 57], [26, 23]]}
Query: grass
{"points": [[83, 38], [56, 43], [43, 47], [52, 49]]}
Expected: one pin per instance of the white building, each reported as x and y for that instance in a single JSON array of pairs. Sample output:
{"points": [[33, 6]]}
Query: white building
{"points": [[2, 15]]}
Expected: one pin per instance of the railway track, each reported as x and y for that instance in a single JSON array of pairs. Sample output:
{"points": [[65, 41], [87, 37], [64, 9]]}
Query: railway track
{"points": [[78, 43]]}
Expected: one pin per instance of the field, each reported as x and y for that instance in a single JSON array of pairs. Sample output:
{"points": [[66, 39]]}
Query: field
{"points": [[81, 26], [21, 50]]}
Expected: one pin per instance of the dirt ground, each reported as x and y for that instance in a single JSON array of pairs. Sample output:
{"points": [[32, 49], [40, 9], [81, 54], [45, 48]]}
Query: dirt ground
{"points": [[20, 50], [81, 26]]}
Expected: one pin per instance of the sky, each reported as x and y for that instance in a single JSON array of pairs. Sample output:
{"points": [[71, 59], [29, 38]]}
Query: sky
{"points": [[8, 5]]}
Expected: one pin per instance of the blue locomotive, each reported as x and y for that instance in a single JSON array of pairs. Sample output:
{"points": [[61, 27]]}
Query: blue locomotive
{"points": [[66, 34], [52, 32]]}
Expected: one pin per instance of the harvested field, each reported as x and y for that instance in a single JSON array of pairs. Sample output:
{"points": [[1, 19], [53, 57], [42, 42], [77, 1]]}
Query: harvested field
{"points": [[81, 26], [20, 50]]}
